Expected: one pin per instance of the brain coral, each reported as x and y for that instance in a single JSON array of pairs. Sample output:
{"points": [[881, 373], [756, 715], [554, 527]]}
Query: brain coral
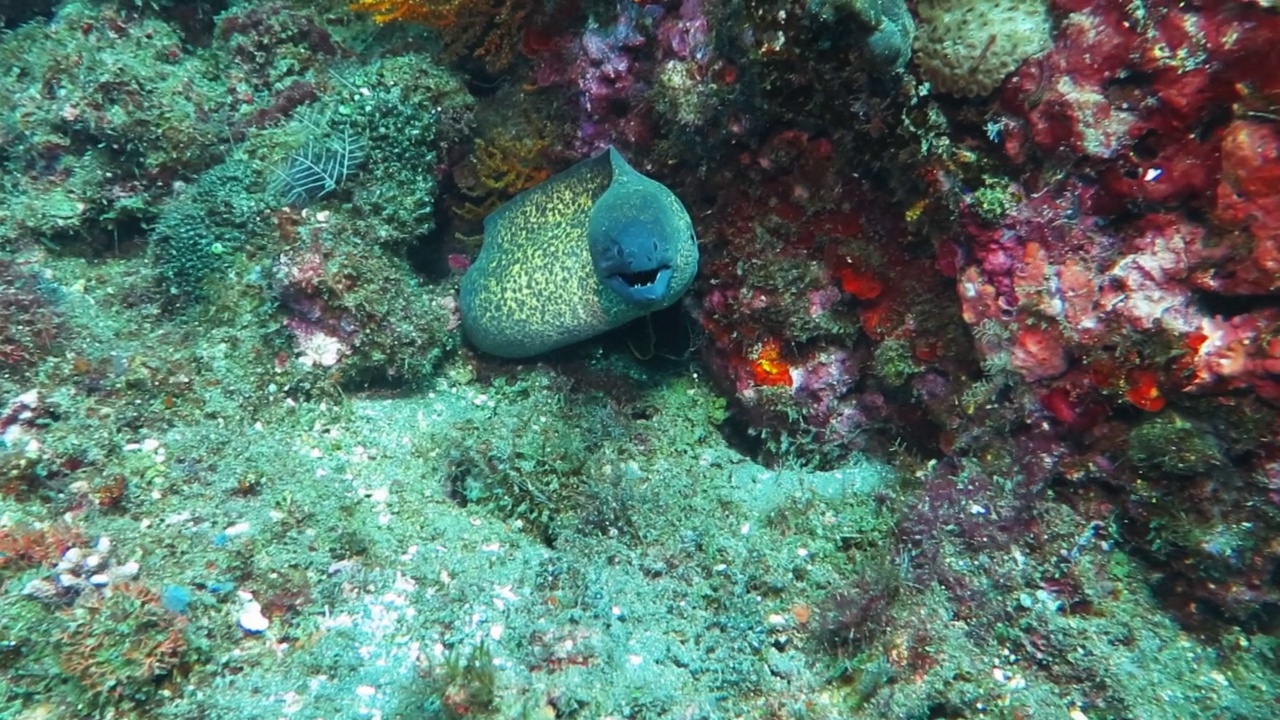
{"points": [[967, 47]]}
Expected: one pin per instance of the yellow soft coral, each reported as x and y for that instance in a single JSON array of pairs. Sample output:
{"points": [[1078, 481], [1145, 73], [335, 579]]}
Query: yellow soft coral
{"points": [[488, 29], [498, 169], [436, 13]]}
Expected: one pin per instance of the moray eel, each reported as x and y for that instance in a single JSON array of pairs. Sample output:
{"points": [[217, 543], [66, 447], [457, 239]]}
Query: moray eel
{"points": [[584, 252]]}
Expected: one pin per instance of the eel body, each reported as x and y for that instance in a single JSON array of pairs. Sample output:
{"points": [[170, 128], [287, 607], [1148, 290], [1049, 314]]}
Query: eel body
{"points": [[586, 251]]}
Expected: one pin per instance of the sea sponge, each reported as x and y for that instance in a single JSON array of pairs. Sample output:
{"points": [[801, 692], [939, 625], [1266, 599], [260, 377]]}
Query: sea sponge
{"points": [[884, 26], [968, 47]]}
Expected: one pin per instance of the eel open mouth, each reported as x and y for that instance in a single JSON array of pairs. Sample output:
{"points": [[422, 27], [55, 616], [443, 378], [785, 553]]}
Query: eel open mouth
{"points": [[641, 278], [641, 286]]}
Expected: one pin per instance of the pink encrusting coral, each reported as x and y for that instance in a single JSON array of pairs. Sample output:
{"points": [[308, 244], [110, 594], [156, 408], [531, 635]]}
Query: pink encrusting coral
{"points": [[1172, 206], [1242, 352], [1246, 205], [1128, 284], [610, 67], [322, 335]]}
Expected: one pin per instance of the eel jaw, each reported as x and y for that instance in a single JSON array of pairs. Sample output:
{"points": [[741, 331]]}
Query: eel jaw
{"points": [[641, 287]]}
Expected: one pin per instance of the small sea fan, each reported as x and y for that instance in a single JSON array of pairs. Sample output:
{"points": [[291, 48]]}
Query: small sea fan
{"points": [[318, 169]]}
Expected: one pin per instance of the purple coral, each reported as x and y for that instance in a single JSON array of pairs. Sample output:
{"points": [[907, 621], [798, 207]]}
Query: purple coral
{"points": [[610, 69]]}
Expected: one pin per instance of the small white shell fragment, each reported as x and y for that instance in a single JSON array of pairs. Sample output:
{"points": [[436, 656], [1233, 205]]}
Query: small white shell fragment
{"points": [[251, 618], [68, 580], [127, 571], [71, 558], [239, 528]]}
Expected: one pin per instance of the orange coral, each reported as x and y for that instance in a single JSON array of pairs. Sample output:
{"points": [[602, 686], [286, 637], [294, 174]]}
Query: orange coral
{"points": [[23, 547], [859, 283], [1038, 354], [487, 29], [768, 368], [123, 644], [1144, 390], [875, 319]]}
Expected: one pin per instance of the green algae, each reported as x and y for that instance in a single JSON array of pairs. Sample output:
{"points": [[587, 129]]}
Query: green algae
{"points": [[1175, 444]]}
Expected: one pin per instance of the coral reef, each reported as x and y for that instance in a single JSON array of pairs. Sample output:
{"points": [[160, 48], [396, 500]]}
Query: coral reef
{"points": [[794, 281], [971, 408], [1133, 282], [611, 66]]}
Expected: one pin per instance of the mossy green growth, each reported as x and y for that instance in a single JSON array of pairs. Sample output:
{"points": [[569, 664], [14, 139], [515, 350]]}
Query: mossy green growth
{"points": [[104, 652], [400, 324], [200, 229], [27, 629], [101, 115], [1175, 444], [123, 646], [406, 324], [895, 362], [993, 201], [524, 467], [464, 686], [402, 108], [789, 282]]}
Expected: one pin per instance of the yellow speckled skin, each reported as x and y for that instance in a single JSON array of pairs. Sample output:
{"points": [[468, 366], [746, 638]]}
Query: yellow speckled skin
{"points": [[533, 287]]}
